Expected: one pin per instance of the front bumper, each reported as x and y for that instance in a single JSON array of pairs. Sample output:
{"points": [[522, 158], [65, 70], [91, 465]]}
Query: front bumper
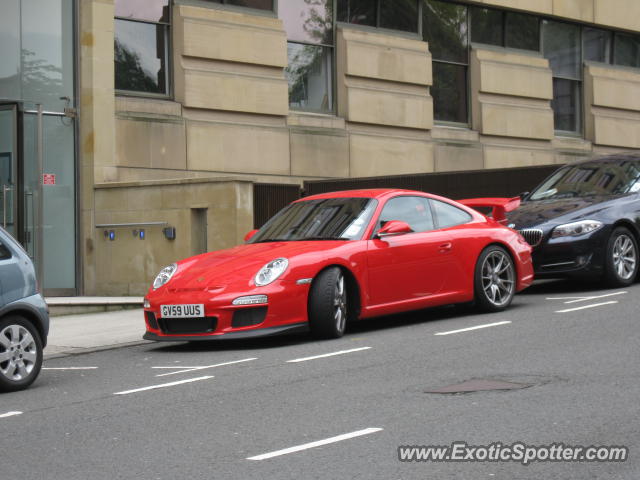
{"points": [[571, 256], [286, 311]]}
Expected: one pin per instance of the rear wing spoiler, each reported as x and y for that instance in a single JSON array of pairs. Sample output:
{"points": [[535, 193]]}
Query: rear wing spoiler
{"points": [[499, 206]]}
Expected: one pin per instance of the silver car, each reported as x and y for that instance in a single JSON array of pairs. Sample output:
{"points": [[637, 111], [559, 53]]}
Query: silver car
{"points": [[24, 318]]}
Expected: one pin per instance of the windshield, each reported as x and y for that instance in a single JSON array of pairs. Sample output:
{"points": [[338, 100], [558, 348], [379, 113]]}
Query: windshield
{"points": [[592, 178], [328, 219]]}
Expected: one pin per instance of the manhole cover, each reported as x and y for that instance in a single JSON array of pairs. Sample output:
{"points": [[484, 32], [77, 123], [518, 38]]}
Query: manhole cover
{"points": [[479, 385]]}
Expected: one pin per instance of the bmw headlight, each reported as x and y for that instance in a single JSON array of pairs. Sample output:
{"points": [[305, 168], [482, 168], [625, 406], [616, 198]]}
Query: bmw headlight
{"points": [[271, 271], [576, 229], [164, 276]]}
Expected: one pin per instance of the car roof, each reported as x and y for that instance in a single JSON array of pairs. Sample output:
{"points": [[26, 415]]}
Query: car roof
{"points": [[377, 193], [614, 158]]}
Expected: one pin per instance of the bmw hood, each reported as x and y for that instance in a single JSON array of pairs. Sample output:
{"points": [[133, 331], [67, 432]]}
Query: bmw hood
{"points": [[554, 212]]}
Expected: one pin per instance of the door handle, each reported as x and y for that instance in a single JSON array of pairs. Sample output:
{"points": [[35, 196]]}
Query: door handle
{"points": [[445, 247]]}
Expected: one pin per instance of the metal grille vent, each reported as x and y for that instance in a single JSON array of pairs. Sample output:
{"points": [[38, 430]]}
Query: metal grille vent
{"points": [[533, 236]]}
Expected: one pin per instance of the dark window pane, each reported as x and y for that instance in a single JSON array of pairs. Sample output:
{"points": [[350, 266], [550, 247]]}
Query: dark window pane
{"points": [[445, 28], [140, 56], [561, 45], [566, 104], [449, 92], [412, 210], [152, 10], [259, 4], [5, 253], [399, 15], [627, 50], [486, 26], [596, 44], [448, 215], [522, 31], [305, 21], [359, 12], [310, 76]]}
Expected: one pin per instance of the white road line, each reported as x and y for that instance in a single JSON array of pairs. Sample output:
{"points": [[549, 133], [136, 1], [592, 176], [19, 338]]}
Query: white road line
{"points": [[586, 299], [342, 352], [586, 306], [319, 443], [10, 414], [478, 327], [193, 369], [69, 368], [163, 385]]}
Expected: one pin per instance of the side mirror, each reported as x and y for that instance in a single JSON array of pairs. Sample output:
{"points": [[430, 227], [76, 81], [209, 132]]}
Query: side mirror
{"points": [[250, 235], [524, 195], [394, 227]]}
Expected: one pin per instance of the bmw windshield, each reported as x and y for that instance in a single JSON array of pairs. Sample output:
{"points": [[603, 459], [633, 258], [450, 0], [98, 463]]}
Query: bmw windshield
{"points": [[591, 178], [326, 219]]}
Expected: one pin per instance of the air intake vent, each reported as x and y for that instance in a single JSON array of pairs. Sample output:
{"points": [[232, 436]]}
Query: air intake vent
{"points": [[533, 236]]}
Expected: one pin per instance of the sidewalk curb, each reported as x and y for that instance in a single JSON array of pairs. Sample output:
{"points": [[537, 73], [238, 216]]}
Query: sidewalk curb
{"points": [[74, 351]]}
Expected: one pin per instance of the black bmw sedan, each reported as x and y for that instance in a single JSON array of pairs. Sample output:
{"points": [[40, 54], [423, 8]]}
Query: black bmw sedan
{"points": [[584, 220]]}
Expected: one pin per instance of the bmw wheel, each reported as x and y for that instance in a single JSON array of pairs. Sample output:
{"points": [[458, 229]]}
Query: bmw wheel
{"points": [[621, 263], [20, 354], [328, 304], [495, 279]]}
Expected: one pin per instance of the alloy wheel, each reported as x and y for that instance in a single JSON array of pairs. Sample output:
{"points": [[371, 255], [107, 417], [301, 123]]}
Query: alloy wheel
{"points": [[18, 353], [498, 278], [624, 257], [340, 304]]}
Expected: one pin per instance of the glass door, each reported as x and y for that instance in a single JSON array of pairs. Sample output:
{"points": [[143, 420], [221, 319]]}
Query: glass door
{"points": [[8, 168]]}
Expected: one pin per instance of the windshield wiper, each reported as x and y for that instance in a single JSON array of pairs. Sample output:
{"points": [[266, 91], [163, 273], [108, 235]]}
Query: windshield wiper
{"points": [[268, 240], [321, 238]]}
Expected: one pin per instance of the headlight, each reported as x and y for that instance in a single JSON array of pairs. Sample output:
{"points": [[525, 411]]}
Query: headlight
{"points": [[576, 229], [164, 276], [271, 271]]}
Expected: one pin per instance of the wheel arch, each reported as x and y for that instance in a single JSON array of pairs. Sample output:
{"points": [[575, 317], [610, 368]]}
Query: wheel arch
{"points": [[629, 225], [353, 289], [31, 317]]}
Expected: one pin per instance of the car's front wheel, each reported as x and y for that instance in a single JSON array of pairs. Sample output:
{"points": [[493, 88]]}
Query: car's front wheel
{"points": [[20, 353], [495, 279], [621, 263], [328, 304]]}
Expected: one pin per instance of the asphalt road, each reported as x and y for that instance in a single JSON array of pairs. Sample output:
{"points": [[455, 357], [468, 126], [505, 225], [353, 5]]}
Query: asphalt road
{"points": [[100, 420]]}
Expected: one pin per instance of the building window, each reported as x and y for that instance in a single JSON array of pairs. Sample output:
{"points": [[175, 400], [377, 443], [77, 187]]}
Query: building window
{"points": [[257, 4], [392, 14], [310, 51], [445, 27], [504, 29], [142, 46], [627, 50], [562, 46], [597, 45]]}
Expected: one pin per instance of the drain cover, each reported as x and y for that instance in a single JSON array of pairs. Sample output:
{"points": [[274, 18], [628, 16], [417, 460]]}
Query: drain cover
{"points": [[479, 385]]}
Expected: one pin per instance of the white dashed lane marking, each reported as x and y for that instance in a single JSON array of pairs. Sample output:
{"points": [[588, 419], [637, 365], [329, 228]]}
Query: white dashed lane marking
{"points": [[319, 443], [477, 327], [325, 355]]}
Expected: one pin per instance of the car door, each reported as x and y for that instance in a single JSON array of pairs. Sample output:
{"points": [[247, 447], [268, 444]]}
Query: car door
{"points": [[411, 266], [454, 224]]}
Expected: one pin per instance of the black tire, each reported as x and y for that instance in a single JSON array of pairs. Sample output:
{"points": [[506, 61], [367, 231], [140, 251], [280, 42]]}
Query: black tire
{"points": [[328, 303], [494, 280], [20, 353], [621, 259]]}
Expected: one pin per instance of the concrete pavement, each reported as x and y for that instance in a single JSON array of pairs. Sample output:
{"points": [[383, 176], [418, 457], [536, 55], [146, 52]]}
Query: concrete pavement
{"points": [[73, 334]]}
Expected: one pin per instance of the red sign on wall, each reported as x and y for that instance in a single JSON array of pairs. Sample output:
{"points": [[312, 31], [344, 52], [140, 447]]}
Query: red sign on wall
{"points": [[49, 179]]}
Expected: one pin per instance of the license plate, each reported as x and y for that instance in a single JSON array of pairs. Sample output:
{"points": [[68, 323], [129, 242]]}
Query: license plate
{"points": [[182, 311]]}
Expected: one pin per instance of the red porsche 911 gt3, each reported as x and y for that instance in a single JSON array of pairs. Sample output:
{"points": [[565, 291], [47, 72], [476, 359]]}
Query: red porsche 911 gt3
{"points": [[331, 258]]}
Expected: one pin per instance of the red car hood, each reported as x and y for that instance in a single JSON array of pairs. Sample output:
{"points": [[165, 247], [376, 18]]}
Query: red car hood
{"points": [[216, 270]]}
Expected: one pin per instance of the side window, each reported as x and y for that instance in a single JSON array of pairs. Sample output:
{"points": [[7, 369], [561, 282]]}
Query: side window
{"points": [[5, 253], [448, 215], [413, 210]]}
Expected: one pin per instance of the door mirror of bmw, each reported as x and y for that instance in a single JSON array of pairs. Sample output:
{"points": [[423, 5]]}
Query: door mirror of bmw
{"points": [[250, 235], [394, 227], [524, 195]]}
